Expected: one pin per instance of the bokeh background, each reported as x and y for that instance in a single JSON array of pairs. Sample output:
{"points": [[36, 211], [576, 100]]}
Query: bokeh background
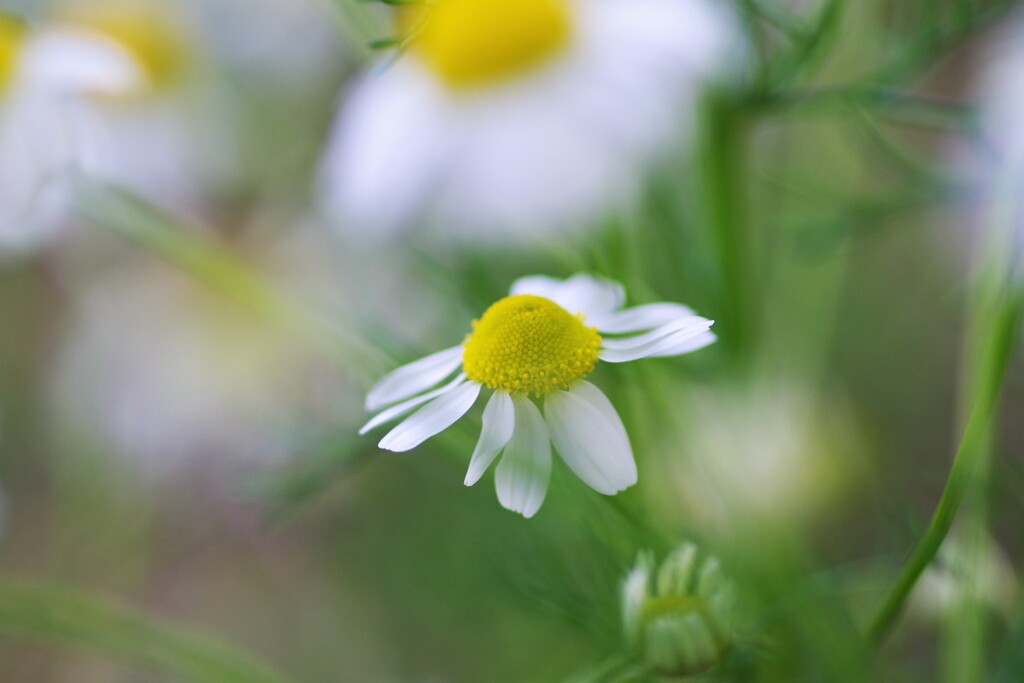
{"points": [[188, 452]]}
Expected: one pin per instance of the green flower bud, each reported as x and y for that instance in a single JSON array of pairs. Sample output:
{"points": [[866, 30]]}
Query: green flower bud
{"points": [[678, 617]]}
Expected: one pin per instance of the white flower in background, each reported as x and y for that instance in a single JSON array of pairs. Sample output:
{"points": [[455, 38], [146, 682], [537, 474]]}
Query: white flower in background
{"points": [[168, 377], [966, 569], [541, 341], [1002, 115], [778, 452], [525, 114], [47, 80], [99, 93], [1002, 95]]}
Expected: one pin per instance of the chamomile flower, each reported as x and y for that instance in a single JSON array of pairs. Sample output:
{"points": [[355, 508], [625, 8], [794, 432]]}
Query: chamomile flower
{"points": [[523, 115], [47, 79], [95, 93], [539, 343]]}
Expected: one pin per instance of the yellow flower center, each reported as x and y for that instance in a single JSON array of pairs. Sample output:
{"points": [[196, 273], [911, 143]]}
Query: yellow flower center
{"points": [[471, 43], [12, 33], [529, 345]]}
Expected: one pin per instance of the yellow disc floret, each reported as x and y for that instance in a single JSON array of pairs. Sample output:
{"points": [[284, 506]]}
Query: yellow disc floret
{"points": [[527, 344], [471, 43], [12, 33]]}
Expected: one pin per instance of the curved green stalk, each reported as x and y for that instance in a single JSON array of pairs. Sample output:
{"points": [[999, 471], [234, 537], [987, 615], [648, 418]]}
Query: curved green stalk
{"points": [[60, 615], [995, 357]]}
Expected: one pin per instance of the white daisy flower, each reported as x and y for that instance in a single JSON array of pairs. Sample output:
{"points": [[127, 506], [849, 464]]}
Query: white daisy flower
{"points": [[46, 81], [97, 96], [527, 114], [541, 341]]}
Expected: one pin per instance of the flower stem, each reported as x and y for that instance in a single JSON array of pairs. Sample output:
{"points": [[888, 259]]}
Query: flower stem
{"points": [[995, 355]]}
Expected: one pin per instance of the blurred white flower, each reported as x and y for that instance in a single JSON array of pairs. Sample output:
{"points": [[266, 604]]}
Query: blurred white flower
{"points": [[166, 375], [99, 95], [978, 570], [774, 451], [536, 342], [48, 80], [1002, 95], [520, 116], [1002, 107]]}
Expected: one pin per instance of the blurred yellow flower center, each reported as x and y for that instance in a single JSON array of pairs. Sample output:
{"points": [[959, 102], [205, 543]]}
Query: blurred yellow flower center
{"points": [[472, 43], [12, 33], [529, 345]]}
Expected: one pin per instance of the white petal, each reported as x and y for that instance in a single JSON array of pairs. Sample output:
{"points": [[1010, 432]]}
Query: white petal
{"points": [[590, 296], [402, 408], [637, 318], [431, 419], [581, 293], [413, 378], [693, 323], [75, 61], [499, 422], [595, 397], [514, 150], [38, 152], [538, 285], [387, 151], [522, 476], [661, 341], [687, 345], [592, 443], [684, 39]]}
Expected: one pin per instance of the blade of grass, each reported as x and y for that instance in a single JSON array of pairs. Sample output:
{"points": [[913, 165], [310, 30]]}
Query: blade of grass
{"points": [[66, 617]]}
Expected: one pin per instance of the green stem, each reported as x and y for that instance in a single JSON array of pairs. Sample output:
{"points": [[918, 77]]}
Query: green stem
{"points": [[995, 357], [31, 610], [132, 218]]}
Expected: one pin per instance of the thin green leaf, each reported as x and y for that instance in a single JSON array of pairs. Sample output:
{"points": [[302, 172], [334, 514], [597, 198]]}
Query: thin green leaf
{"points": [[63, 616]]}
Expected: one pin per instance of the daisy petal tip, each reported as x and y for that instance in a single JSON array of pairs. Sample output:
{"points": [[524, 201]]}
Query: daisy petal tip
{"points": [[386, 445], [525, 511], [396, 445], [373, 403]]}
